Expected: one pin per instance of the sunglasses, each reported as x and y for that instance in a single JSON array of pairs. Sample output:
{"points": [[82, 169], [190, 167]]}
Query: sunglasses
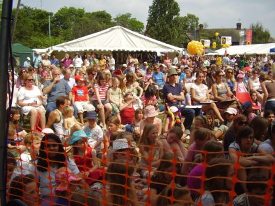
{"points": [[230, 72], [31, 80]]}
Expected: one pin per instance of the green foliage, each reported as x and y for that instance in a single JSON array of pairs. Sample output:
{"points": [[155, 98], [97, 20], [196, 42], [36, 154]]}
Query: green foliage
{"points": [[127, 21], [259, 34], [162, 20]]}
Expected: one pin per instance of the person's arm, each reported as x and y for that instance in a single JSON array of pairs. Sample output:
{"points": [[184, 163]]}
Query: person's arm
{"points": [[265, 92], [194, 97], [140, 90], [97, 96], [48, 89], [126, 104], [51, 119], [244, 161]]}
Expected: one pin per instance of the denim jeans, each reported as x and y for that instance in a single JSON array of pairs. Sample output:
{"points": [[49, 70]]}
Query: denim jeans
{"points": [[189, 115]]}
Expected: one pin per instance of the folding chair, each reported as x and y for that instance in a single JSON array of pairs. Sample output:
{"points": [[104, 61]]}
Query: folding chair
{"points": [[245, 97]]}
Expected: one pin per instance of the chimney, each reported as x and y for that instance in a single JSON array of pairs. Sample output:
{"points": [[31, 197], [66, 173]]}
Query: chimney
{"points": [[239, 26]]}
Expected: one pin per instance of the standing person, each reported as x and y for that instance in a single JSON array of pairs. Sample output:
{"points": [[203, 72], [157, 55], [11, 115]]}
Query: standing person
{"points": [[174, 96], [27, 63], [269, 92], [54, 60], [55, 88], [67, 77], [37, 60], [77, 62], [66, 61]]}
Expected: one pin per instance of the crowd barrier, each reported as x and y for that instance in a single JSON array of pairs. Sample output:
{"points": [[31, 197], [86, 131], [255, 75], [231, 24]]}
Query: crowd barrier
{"points": [[126, 181]]}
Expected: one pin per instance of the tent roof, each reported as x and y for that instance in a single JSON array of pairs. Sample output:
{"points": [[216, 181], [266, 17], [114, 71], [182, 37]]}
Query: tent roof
{"points": [[20, 49], [247, 49], [116, 39]]}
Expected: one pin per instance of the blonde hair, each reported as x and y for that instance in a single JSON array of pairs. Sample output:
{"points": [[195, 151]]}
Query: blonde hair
{"points": [[67, 110]]}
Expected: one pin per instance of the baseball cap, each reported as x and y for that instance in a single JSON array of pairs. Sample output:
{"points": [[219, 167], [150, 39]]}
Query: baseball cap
{"points": [[77, 135], [91, 115], [231, 110]]}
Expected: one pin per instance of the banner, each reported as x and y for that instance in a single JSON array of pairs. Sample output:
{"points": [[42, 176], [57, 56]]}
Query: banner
{"points": [[248, 36], [226, 40], [205, 42]]}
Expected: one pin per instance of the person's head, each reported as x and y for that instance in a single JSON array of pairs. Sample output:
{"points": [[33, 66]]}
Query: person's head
{"points": [[101, 78], [91, 117], [260, 127], [230, 113], [78, 141], [115, 82], [174, 134], [172, 75], [253, 95], [201, 136], [24, 188], [200, 121], [130, 78], [213, 149], [12, 133], [149, 135], [150, 113], [219, 74], [269, 115], [200, 76], [67, 74], [139, 114], [68, 111], [56, 72], [80, 81], [32, 141], [113, 124], [239, 122], [51, 151], [62, 101], [218, 175], [229, 73], [14, 115], [29, 81], [245, 138]]}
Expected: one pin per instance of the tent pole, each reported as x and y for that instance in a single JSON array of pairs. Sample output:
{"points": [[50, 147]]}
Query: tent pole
{"points": [[4, 56]]}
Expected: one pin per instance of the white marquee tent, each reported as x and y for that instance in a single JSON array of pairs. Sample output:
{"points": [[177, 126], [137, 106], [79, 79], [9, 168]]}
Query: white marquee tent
{"points": [[247, 49], [115, 39]]}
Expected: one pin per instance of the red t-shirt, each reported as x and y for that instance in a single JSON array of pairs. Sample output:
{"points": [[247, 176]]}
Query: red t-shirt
{"points": [[80, 93]]}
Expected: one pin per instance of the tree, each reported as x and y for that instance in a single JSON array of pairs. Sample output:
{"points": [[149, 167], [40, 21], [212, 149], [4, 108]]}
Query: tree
{"points": [[127, 21], [259, 34], [162, 20]]}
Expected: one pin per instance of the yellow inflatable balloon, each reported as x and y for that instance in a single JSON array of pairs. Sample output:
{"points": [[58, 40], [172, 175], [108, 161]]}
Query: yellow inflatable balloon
{"points": [[214, 45], [195, 48]]}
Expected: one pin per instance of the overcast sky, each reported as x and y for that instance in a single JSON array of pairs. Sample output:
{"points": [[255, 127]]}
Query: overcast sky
{"points": [[215, 13]]}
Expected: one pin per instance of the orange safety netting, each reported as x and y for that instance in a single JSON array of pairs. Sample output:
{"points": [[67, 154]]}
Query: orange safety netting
{"points": [[127, 177]]}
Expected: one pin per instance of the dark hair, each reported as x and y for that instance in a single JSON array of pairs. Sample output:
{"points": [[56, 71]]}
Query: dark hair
{"points": [[177, 131], [213, 148], [260, 126], [18, 184], [216, 173], [61, 100], [202, 134], [243, 133], [82, 197], [267, 113], [60, 158], [150, 91]]}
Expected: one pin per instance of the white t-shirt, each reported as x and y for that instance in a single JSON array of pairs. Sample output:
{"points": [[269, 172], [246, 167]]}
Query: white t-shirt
{"points": [[201, 90], [94, 135]]}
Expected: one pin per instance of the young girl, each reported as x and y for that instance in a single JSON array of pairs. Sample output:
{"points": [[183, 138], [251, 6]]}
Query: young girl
{"points": [[69, 119], [114, 96], [150, 95]]}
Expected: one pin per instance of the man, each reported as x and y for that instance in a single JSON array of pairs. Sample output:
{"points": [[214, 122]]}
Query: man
{"points": [[67, 77], [55, 119], [55, 88], [174, 96]]}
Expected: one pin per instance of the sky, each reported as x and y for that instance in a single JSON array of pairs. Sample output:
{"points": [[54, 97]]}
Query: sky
{"points": [[215, 13]]}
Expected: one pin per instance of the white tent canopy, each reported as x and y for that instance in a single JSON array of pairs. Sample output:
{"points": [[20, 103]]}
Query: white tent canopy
{"points": [[116, 39], [247, 49]]}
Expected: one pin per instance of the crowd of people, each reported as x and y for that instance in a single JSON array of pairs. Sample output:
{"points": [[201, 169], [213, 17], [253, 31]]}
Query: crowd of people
{"points": [[191, 130]]}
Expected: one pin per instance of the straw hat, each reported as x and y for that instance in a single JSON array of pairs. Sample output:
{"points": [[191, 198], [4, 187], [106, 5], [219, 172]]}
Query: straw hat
{"points": [[150, 111]]}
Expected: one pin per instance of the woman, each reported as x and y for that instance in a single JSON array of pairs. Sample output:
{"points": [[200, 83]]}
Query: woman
{"points": [[260, 127], [30, 100], [199, 94], [151, 149], [269, 92], [24, 188], [51, 158], [221, 91], [230, 80], [100, 98], [85, 158], [218, 182]]}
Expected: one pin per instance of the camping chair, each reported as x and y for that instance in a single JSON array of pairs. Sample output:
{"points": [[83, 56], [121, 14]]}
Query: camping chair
{"points": [[245, 97]]}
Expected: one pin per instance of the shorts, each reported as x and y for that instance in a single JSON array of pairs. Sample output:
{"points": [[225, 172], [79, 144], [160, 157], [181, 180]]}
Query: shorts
{"points": [[84, 106]]}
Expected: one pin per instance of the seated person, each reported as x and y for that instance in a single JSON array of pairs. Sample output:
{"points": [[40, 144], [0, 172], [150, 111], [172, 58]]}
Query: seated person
{"points": [[174, 96]]}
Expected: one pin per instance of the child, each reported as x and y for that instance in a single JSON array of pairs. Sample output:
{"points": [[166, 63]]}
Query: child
{"points": [[14, 141], [150, 95], [115, 97], [69, 119], [80, 97], [173, 119]]}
